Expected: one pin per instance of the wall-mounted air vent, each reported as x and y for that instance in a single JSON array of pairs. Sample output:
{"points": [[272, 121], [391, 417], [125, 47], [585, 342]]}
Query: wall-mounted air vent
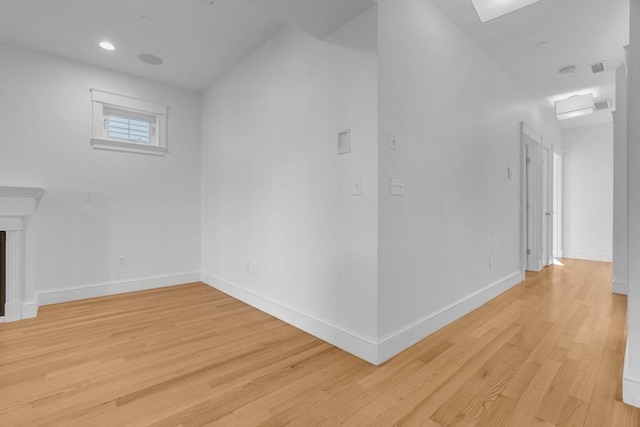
{"points": [[598, 67], [602, 105]]}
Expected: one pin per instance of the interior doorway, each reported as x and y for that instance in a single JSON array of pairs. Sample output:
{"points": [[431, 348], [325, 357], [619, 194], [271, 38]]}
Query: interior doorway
{"points": [[3, 271], [547, 202], [537, 201], [557, 204]]}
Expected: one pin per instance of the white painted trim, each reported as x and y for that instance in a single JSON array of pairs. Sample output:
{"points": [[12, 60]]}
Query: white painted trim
{"points": [[17, 311], [397, 341], [531, 231], [19, 201], [557, 149], [530, 132], [129, 147], [12, 311], [590, 256], [619, 288], [102, 100], [630, 383], [29, 309], [118, 100], [351, 341], [54, 296]]}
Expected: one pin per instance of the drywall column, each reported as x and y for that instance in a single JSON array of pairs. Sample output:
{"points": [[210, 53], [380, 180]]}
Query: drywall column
{"points": [[620, 279], [448, 238], [283, 227], [631, 379]]}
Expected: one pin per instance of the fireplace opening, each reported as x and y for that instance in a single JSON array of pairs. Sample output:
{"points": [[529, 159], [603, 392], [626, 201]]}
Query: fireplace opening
{"points": [[3, 271]]}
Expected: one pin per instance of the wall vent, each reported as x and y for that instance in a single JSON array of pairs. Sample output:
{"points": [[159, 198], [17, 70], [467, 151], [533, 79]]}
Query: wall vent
{"points": [[602, 105], [598, 67]]}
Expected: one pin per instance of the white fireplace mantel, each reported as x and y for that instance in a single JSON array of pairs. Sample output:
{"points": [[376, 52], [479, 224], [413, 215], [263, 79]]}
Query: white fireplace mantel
{"points": [[17, 206]]}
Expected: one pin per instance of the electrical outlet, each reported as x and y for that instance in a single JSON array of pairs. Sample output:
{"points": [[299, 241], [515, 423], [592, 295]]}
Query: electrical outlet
{"points": [[88, 196], [122, 261], [251, 267]]}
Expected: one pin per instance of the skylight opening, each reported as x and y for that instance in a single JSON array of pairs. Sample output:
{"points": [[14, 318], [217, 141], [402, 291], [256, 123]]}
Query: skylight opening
{"points": [[491, 9]]}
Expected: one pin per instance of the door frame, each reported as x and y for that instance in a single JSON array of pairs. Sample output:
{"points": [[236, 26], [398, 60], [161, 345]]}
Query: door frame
{"points": [[558, 164], [547, 206], [532, 154]]}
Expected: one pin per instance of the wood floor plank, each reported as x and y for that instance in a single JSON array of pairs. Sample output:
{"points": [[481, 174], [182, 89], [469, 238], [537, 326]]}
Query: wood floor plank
{"points": [[547, 352]]}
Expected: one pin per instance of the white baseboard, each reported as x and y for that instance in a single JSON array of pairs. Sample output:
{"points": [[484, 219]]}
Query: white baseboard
{"points": [[395, 342], [14, 311], [344, 338], [590, 256], [367, 348], [93, 290], [619, 288], [29, 309], [630, 383]]}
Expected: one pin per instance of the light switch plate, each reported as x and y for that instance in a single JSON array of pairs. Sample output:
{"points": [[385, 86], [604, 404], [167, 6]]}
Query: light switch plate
{"points": [[344, 142], [396, 187], [356, 188], [393, 142]]}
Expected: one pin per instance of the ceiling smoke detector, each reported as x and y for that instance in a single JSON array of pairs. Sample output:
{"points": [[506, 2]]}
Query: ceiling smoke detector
{"points": [[570, 69], [598, 67]]}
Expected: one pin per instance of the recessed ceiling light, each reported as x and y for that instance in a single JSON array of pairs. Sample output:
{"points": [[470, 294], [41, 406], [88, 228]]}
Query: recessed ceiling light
{"points": [[490, 9], [107, 45], [150, 59]]}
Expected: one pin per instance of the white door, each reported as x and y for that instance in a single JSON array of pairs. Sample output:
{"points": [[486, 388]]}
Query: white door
{"points": [[536, 226], [546, 192], [529, 206], [557, 205], [534, 207]]}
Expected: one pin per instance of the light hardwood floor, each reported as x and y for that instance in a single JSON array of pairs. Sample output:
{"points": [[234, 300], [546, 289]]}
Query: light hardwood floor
{"points": [[547, 352]]}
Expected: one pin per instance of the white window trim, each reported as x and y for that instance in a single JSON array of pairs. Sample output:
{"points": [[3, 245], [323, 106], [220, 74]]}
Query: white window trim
{"points": [[100, 140]]}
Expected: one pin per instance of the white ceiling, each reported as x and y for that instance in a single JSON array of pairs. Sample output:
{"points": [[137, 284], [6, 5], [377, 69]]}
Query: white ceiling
{"points": [[201, 39], [197, 39], [577, 32]]}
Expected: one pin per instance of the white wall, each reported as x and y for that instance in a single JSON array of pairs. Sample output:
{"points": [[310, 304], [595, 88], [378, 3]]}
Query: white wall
{"points": [[275, 192], [146, 208], [620, 238], [456, 117], [631, 379], [588, 192]]}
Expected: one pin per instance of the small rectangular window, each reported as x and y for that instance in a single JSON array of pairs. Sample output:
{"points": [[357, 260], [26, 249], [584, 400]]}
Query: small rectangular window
{"points": [[128, 124], [130, 127]]}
